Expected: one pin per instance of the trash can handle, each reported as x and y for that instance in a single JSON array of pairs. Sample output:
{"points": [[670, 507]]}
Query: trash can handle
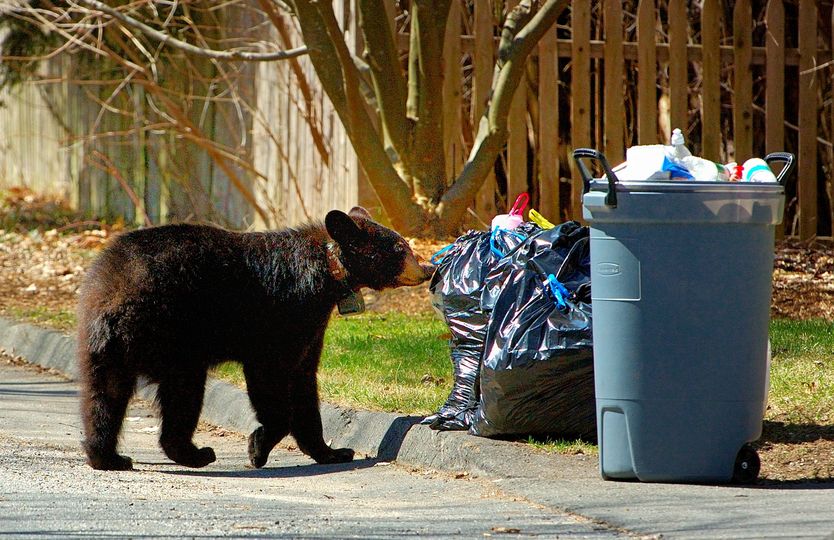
{"points": [[790, 163], [590, 153]]}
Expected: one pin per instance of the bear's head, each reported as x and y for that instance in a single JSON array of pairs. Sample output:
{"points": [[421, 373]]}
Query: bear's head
{"points": [[375, 256]]}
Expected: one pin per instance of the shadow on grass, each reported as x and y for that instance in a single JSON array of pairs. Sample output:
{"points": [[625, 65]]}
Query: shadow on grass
{"points": [[781, 432]]}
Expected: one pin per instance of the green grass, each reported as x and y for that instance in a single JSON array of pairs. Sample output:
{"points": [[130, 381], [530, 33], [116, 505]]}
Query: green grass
{"points": [[562, 446], [802, 372], [391, 362], [59, 319], [400, 363]]}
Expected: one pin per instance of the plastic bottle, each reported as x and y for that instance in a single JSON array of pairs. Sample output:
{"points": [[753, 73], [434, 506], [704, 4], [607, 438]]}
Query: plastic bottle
{"points": [[704, 170], [679, 149], [735, 171], [757, 170]]}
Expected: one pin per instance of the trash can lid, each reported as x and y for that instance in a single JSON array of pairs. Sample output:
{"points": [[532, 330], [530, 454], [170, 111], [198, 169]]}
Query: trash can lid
{"points": [[688, 186]]}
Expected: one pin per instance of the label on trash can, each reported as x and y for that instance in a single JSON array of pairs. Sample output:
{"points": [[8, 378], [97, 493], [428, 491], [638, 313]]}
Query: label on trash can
{"points": [[615, 272]]}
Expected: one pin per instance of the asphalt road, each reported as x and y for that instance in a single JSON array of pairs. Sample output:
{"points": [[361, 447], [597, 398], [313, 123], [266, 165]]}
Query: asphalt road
{"points": [[47, 490]]}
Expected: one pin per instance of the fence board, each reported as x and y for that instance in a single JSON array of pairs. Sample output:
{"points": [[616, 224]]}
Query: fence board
{"points": [[678, 66], [646, 73], [807, 158], [711, 80], [483, 61], [775, 77], [517, 143], [283, 151], [452, 85], [775, 84], [549, 127], [614, 107], [743, 81], [580, 95]]}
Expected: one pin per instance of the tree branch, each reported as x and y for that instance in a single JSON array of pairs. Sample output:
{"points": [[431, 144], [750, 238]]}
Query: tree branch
{"points": [[517, 42], [340, 79], [301, 79], [425, 96], [386, 75], [166, 39]]}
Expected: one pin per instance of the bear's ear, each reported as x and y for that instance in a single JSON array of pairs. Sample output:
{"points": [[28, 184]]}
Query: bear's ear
{"points": [[342, 228], [359, 212]]}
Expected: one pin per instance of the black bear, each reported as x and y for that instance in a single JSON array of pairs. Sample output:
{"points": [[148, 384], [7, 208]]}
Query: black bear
{"points": [[169, 302]]}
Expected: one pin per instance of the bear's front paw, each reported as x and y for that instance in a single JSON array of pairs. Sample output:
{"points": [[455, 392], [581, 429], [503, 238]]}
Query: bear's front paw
{"points": [[257, 455], [336, 455]]}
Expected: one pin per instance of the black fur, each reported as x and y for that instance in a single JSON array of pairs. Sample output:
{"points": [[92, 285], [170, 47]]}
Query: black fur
{"points": [[169, 302]]}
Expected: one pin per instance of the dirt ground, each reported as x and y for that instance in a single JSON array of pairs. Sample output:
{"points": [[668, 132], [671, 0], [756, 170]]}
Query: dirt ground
{"points": [[41, 269]]}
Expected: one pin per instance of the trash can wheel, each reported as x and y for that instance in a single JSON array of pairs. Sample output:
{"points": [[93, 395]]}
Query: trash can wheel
{"points": [[747, 466]]}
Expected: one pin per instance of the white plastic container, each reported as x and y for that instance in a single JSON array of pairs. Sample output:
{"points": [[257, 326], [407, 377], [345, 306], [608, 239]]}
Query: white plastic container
{"points": [[757, 170]]}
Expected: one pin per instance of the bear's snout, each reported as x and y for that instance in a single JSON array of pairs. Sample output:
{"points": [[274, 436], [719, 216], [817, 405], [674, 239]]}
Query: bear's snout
{"points": [[414, 272]]}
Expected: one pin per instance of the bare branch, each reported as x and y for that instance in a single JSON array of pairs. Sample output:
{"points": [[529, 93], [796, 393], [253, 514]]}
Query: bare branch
{"points": [[166, 39], [301, 79], [425, 96], [386, 74], [516, 46], [340, 79]]}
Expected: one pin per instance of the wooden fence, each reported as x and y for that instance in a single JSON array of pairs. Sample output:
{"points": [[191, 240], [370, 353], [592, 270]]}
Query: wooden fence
{"points": [[79, 140], [740, 83]]}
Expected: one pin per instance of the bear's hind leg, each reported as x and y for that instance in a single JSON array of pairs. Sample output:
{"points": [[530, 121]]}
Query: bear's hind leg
{"points": [[307, 427], [180, 401], [105, 393]]}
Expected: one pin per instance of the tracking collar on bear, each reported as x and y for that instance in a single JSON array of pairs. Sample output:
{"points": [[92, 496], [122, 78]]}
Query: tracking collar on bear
{"points": [[351, 301]]}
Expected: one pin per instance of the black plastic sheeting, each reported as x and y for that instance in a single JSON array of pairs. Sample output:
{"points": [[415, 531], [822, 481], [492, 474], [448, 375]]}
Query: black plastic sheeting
{"points": [[536, 376], [456, 290]]}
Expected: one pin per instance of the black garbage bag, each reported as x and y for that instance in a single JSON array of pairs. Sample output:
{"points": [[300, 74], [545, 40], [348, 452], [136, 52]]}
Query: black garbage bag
{"points": [[537, 373], [456, 294]]}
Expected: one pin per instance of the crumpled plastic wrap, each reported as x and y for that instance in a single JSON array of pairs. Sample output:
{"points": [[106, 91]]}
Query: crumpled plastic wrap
{"points": [[456, 294], [536, 375]]}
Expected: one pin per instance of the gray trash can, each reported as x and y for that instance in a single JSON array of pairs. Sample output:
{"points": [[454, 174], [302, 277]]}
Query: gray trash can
{"points": [[681, 282]]}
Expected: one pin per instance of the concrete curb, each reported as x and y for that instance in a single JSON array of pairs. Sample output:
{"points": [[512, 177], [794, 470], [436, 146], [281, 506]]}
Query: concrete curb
{"points": [[383, 436]]}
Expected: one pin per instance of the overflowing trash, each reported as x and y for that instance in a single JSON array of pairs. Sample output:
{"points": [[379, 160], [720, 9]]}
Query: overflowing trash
{"points": [[456, 290], [675, 162], [537, 375], [516, 300]]}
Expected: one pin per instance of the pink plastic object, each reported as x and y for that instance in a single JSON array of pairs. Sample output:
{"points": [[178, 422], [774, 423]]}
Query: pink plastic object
{"points": [[514, 218]]}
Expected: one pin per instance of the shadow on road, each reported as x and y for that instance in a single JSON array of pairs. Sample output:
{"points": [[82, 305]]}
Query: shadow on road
{"points": [[294, 471], [19, 389]]}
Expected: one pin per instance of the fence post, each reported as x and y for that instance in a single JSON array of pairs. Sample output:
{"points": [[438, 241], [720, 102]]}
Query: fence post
{"points": [[452, 100], [549, 143], [711, 80], [614, 143], [678, 66], [742, 81], [580, 94], [646, 73], [517, 143], [807, 166], [483, 59], [775, 83]]}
